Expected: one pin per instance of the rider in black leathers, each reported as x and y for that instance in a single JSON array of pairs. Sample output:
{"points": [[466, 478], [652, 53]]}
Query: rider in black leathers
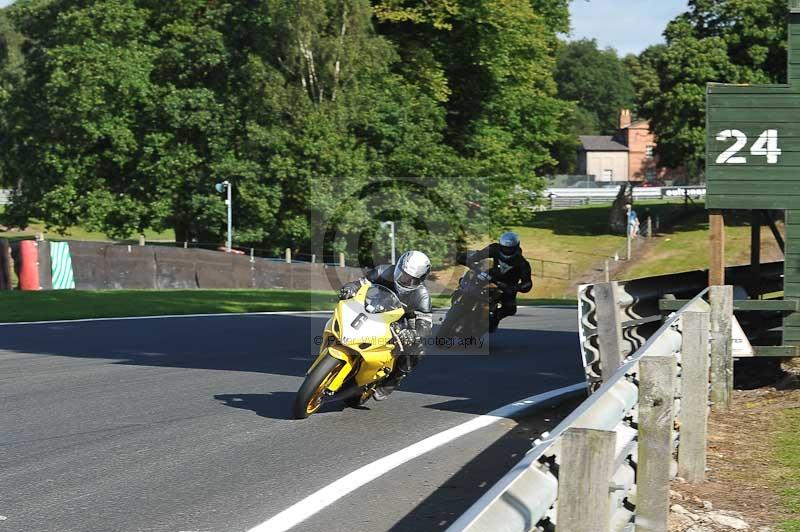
{"points": [[509, 269], [406, 279]]}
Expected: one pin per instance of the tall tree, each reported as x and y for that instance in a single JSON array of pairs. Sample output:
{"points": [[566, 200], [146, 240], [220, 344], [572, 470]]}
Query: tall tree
{"points": [[130, 113], [490, 64], [724, 41], [596, 80]]}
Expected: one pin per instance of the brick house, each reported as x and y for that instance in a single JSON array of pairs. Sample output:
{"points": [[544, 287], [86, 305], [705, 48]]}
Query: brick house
{"points": [[628, 155]]}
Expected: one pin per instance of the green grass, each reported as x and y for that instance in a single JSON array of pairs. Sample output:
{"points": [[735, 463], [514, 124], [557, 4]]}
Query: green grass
{"points": [[77, 304], [580, 237], [788, 454], [73, 304], [686, 247]]}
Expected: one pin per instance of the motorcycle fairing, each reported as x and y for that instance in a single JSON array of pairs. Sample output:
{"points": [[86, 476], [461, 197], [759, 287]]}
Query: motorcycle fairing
{"points": [[351, 333]]}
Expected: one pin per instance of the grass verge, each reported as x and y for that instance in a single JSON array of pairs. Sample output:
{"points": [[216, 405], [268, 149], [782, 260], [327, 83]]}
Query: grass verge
{"points": [[77, 304], [788, 452], [69, 305]]}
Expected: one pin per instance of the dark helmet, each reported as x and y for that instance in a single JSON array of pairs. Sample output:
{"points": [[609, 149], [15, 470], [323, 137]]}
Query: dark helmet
{"points": [[411, 271], [509, 245]]}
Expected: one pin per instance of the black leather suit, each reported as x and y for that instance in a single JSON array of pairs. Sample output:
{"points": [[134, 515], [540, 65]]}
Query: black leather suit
{"points": [[514, 273]]}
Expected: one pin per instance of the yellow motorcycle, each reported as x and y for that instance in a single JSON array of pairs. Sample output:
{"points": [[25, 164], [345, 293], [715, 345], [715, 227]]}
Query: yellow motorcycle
{"points": [[356, 353]]}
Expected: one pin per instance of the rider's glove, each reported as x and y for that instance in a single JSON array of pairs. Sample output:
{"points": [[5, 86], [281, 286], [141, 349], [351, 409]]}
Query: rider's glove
{"points": [[485, 277], [407, 339], [348, 291]]}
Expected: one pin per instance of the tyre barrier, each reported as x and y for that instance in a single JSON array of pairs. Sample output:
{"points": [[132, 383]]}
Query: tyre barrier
{"points": [[633, 307], [28, 266], [6, 264]]}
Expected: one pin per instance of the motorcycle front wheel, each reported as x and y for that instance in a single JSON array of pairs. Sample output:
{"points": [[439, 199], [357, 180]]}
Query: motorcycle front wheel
{"points": [[310, 396]]}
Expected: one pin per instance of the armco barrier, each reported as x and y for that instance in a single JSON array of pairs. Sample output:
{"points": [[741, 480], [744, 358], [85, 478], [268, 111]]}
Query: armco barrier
{"points": [[535, 495]]}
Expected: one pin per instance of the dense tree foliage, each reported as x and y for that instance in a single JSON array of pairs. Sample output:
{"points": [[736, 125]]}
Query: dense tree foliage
{"points": [[126, 112], [726, 41], [597, 81]]}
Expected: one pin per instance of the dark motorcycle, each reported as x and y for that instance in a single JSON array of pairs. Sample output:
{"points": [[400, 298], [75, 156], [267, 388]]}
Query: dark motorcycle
{"points": [[472, 307]]}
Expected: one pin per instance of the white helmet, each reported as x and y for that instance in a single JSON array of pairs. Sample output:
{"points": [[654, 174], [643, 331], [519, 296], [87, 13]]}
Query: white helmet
{"points": [[411, 271]]}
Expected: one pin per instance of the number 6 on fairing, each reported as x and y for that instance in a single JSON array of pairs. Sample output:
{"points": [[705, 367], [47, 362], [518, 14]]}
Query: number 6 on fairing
{"points": [[766, 145]]}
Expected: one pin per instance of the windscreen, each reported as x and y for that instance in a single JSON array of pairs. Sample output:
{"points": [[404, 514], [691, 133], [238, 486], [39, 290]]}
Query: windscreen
{"points": [[380, 299]]}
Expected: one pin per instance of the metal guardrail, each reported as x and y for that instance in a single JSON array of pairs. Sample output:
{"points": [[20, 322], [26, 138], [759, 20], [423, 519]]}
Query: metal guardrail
{"points": [[633, 309], [561, 198], [527, 497]]}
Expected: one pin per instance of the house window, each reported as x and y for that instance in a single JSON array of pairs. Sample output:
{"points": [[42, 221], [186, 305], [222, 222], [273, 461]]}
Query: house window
{"points": [[649, 150], [608, 175], [650, 175]]}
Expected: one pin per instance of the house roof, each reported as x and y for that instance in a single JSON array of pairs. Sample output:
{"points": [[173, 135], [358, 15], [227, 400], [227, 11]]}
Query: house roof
{"points": [[601, 143]]}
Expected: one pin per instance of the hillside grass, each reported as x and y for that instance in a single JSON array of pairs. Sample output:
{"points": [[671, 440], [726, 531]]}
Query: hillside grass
{"points": [[686, 247], [578, 241]]}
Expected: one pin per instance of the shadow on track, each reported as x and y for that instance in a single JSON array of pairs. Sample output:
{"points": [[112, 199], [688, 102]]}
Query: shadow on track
{"points": [[475, 380]]}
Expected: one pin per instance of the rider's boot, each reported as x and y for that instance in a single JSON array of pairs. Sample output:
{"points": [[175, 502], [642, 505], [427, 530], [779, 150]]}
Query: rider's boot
{"points": [[389, 385], [404, 365]]}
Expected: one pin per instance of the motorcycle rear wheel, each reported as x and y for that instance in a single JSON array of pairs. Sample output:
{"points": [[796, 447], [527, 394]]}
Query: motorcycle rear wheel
{"points": [[310, 396], [450, 326]]}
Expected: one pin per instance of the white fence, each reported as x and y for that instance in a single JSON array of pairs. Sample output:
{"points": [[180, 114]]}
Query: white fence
{"points": [[5, 196], [561, 198]]}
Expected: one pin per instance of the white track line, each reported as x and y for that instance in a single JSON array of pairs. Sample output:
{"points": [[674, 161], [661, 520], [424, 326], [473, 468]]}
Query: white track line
{"points": [[172, 316], [328, 495]]}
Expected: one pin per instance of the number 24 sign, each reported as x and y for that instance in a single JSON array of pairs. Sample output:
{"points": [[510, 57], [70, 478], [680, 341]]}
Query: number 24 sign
{"points": [[765, 146]]}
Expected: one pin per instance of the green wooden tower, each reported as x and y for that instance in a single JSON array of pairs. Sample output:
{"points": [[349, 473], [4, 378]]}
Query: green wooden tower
{"points": [[753, 159]]}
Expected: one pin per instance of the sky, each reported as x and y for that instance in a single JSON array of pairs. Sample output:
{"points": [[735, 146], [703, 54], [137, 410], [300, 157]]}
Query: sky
{"points": [[4, 3], [630, 26]]}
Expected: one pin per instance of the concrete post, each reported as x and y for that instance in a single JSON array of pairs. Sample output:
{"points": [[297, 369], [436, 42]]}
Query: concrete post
{"points": [[584, 478], [609, 327], [721, 298], [694, 397], [657, 378], [288, 255]]}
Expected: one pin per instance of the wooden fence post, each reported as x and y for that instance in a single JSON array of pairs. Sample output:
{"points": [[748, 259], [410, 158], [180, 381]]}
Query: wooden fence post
{"points": [[721, 345], [341, 260], [609, 327], [694, 397], [584, 479], [657, 378], [288, 255]]}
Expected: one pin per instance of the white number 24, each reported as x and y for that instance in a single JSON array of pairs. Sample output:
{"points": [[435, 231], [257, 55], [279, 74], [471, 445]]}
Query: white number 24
{"points": [[766, 145]]}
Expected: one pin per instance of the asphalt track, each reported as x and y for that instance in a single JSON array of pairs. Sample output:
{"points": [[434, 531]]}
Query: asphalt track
{"points": [[183, 424]]}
